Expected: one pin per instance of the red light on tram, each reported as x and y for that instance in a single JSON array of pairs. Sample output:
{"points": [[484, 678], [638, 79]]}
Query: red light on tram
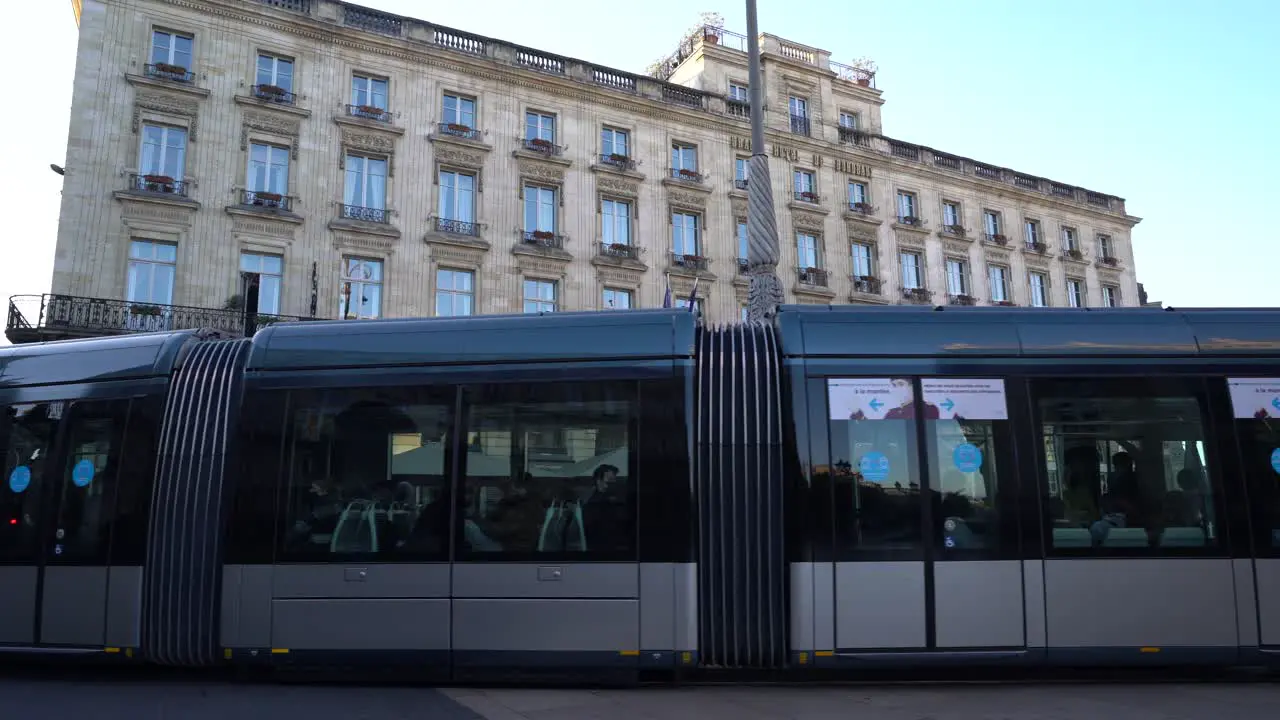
{"points": [[13, 521]]}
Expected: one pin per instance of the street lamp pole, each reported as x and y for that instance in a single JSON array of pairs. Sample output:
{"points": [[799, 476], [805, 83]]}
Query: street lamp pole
{"points": [[765, 294]]}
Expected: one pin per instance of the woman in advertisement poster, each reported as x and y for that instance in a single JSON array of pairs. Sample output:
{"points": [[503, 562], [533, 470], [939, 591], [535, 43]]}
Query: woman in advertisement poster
{"points": [[902, 405]]}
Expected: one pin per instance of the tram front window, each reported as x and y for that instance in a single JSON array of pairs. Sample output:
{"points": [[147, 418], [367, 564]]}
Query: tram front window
{"points": [[1126, 463]]}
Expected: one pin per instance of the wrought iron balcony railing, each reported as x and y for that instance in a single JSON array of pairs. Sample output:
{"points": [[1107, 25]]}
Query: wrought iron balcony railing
{"points": [[866, 284], [816, 277], [43, 317], [918, 296], [690, 262], [369, 112], [457, 227], [364, 214], [807, 196], [741, 183], [686, 175], [159, 184], [542, 238], [621, 251], [275, 94], [850, 136], [172, 73], [799, 124], [459, 130], [266, 200], [538, 145], [618, 160]]}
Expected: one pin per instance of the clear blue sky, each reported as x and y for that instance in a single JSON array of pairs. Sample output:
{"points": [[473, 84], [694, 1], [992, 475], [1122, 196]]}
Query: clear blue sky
{"points": [[1171, 104]]}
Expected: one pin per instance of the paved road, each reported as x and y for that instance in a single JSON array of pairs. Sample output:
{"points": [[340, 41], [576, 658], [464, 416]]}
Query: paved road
{"points": [[121, 698]]}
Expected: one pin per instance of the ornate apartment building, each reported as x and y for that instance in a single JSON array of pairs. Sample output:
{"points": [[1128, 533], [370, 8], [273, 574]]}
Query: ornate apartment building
{"points": [[313, 158]]}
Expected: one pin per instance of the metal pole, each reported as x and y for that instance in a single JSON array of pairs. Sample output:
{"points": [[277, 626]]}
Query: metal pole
{"points": [[765, 294]]}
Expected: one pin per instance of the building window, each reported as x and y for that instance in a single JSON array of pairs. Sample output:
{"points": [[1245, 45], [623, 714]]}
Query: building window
{"points": [[999, 278], [457, 200], [684, 160], [742, 314], [863, 265], [1110, 296], [455, 292], [164, 151], [1033, 233], [807, 251], [683, 304], [152, 267], [268, 169], [912, 271], [361, 296], [799, 115], [459, 110], [1105, 250], [805, 186], [991, 223], [174, 49], [1075, 293], [857, 193], [907, 207], [614, 142], [849, 121], [616, 221], [739, 93], [1129, 466], [951, 214], [684, 234], [539, 209], [957, 277], [275, 72], [270, 271], [367, 91], [744, 251], [741, 172], [365, 196], [1069, 241], [615, 299], [539, 126], [1039, 290], [539, 296]]}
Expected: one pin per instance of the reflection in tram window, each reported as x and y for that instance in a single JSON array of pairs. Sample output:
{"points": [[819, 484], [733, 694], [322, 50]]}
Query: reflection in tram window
{"points": [[548, 470], [873, 468], [368, 474], [84, 511], [1130, 468], [1260, 446], [962, 469], [28, 432]]}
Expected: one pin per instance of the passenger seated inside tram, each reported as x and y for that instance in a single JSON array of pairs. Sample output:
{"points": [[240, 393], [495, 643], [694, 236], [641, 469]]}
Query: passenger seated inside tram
{"points": [[1113, 516], [317, 524]]}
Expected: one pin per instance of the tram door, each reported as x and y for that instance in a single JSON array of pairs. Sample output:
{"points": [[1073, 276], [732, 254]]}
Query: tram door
{"points": [[55, 510], [926, 517], [1256, 407]]}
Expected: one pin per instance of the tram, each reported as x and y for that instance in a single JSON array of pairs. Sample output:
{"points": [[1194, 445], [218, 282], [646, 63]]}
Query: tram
{"points": [[639, 493]]}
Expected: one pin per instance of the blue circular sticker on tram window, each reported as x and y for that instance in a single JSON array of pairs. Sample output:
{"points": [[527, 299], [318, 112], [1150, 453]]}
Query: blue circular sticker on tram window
{"points": [[967, 457], [20, 479], [82, 473], [1275, 460], [874, 466]]}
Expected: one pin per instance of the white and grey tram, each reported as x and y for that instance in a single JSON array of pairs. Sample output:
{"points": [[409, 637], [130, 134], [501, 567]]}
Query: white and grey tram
{"points": [[635, 492]]}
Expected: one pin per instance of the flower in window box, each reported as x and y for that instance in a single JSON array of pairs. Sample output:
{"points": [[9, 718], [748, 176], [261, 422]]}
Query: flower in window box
{"points": [[686, 173], [620, 248], [370, 110], [862, 207], [459, 128], [618, 158], [275, 90], [1109, 261], [149, 310], [168, 69], [1039, 247], [1005, 303], [999, 239], [543, 235], [957, 230], [1075, 254], [910, 220], [540, 143], [809, 196]]}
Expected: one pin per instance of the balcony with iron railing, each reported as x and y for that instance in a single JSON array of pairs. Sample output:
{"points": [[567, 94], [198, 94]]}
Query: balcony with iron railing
{"points": [[458, 130], [370, 112], [619, 251], [865, 285], [39, 318], [813, 277], [463, 228], [365, 214], [540, 146], [170, 73], [547, 239], [274, 94], [696, 263], [263, 200], [800, 125], [995, 239], [741, 183], [917, 296], [686, 175], [157, 184], [961, 300], [619, 161], [808, 197]]}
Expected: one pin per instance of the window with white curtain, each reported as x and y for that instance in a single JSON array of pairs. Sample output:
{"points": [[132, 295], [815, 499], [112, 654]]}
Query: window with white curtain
{"points": [[1075, 293], [616, 222], [807, 251], [912, 270], [268, 169], [457, 196], [998, 276], [270, 271], [957, 277], [862, 264], [164, 151], [684, 233], [1039, 290], [152, 267], [539, 209], [361, 294]]}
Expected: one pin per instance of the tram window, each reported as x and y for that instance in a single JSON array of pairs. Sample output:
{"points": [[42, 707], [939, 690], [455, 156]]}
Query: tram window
{"points": [[1257, 418], [966, 426], [134, 471], [368, 474], [82, 519], [549, 471], [28, 435], [262, 454], [1126, 463], [873, 464]]}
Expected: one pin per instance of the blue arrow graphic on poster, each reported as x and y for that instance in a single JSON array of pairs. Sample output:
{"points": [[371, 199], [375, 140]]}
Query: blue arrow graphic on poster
{"points": [[1275, 403], [876, 404], [947, 405]]}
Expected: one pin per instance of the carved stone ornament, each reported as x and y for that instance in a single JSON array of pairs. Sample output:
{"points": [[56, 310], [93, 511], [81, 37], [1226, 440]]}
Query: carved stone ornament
{"points": [[540, 172], [462, 158], [807, 221], [621, 276], [909, 239], [149, 211], [262, 227], [957, 249], [167, 105], [1037, 261], [539, 267], [370, 143], [272, 125], [470, 258], [998, 256], [618, 186], [739, 206], [684, 199], [362, 242], [861, 234]]}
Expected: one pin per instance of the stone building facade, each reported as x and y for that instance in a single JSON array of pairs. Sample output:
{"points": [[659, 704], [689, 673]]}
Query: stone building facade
{"points": [[341, 162]]}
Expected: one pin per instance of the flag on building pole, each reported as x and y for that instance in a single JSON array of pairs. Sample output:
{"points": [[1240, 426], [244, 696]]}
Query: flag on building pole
{"points": [[666, 299], [693, 294]]}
